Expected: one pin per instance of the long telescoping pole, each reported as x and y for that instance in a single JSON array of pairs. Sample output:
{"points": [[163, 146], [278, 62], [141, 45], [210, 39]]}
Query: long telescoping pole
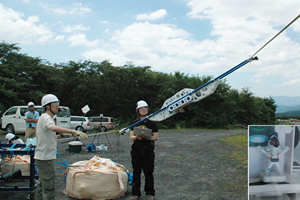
{"points": [[122, 131]]}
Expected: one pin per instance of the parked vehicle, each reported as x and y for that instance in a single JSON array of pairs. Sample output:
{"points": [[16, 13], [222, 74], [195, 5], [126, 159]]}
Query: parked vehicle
{"points": [[63, 117], [107, 123], [13, 120], [80, 123]]}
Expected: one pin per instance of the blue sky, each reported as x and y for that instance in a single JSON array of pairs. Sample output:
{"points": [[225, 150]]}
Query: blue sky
{"points": [[191, 36]]}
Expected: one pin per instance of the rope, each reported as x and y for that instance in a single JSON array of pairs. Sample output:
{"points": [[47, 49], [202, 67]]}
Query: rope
{"points": [[102, 133], [66, 164], [277, 34]]}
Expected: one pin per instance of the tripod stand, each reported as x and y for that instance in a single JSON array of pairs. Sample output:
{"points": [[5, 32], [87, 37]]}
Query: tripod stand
{"points": [[101, 132]]}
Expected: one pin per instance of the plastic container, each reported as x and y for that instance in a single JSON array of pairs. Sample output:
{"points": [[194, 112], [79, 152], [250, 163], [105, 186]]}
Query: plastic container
{"points": [[75, 147], [31, 141], [101, 147]]}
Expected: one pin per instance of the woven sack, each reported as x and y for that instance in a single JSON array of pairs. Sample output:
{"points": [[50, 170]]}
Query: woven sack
{"points": [[98, 178], [21, 162]]}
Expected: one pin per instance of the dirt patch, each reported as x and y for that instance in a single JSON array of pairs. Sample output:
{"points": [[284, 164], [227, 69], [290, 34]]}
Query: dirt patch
{"points": [[189, 164]]}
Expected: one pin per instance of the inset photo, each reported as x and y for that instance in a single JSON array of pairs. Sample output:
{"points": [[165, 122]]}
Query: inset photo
{"points": [[274, 155]]}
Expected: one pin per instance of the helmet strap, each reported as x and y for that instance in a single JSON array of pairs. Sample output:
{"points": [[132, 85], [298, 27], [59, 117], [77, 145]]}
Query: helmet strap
{"points": [[51, 109]]}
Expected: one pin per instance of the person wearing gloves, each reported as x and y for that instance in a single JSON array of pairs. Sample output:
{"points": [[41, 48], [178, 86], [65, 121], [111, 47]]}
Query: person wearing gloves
{"points": [[142, 154], [46, 147], [13, 139], [31, 118]]}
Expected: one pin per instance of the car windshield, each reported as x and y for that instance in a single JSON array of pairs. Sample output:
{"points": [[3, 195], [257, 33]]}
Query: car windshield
{"points": [[11, 111], [63, 112]]}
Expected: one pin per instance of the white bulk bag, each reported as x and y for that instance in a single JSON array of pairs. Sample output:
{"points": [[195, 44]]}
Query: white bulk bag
{"points": [[21, 162], [98, 178]]}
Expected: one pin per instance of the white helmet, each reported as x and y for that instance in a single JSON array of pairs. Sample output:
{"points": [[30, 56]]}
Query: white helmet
{"points": [[49, 98], [141, 103], [9, 136], [30, 104]]}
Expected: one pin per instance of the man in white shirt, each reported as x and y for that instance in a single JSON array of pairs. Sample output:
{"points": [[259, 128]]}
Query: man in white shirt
{"points": [[46, 147]]}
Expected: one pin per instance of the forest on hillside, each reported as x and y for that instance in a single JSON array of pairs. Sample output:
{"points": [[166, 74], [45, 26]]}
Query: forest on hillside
{"points": [[114, 90]]}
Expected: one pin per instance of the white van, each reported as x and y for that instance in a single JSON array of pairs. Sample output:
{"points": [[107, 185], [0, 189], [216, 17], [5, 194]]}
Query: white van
{"points": [[13, 120]]}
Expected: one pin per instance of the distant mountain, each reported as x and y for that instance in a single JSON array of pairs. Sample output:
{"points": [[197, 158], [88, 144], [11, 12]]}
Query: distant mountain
{"points": [[293, 112], [287, 105], [287, 101], [283, 109]]}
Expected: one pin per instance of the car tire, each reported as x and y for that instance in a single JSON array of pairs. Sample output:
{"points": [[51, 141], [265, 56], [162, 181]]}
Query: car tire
{"points": [[103, 129], [297, 137], [10, 128], [79, 128]]}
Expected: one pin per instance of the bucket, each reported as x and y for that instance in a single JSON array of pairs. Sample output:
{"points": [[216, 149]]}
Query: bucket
{"points": [[75, 147], [259, 135]]}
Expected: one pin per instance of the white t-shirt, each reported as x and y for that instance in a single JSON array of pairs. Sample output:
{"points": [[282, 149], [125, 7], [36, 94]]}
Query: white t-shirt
{"points": [[46, 140], [18, 141]]}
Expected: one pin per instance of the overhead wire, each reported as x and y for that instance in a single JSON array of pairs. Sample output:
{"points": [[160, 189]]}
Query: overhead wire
{"points": [[277, 34]]}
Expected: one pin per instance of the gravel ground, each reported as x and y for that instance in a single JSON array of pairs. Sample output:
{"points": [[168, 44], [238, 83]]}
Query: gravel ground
{"points": [[189, 164]]}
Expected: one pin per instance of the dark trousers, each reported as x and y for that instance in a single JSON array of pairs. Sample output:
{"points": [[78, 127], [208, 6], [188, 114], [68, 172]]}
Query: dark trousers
{"points": [[142, 160]]}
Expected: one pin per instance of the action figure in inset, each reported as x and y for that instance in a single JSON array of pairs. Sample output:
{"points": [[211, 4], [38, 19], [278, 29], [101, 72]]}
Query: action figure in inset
{"points": [[273, 151]]}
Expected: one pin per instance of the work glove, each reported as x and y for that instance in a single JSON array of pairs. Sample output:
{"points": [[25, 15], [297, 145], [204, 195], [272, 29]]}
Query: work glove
{"points": [[79, 133], [66, 135]]}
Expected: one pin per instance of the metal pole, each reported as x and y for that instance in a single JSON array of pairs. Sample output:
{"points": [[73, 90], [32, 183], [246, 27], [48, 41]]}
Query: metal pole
{"points": [[277, 34]]}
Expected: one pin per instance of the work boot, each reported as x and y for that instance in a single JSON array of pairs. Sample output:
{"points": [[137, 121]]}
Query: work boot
{"points": [[149, 197], [134, 198]]}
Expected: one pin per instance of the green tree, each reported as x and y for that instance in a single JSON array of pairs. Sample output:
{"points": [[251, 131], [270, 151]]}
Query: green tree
{"points": [[21, 76], [114, 91]]}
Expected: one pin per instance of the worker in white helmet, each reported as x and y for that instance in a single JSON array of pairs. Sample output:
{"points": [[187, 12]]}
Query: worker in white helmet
{"points": [[46, 147], [31, 118], [13, 139], [142, 154]]}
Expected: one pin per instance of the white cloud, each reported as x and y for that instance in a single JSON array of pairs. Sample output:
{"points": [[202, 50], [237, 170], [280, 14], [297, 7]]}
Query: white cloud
{"points": [[80, 40], [78, 27], [245, 21], [257, 80], [240, 28], [105, 22], [146, 43], [59, 38], [292, 82], [75, 9], [243, 27], [15, 29], [159, 14], [111, 54], [148, 35]]}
